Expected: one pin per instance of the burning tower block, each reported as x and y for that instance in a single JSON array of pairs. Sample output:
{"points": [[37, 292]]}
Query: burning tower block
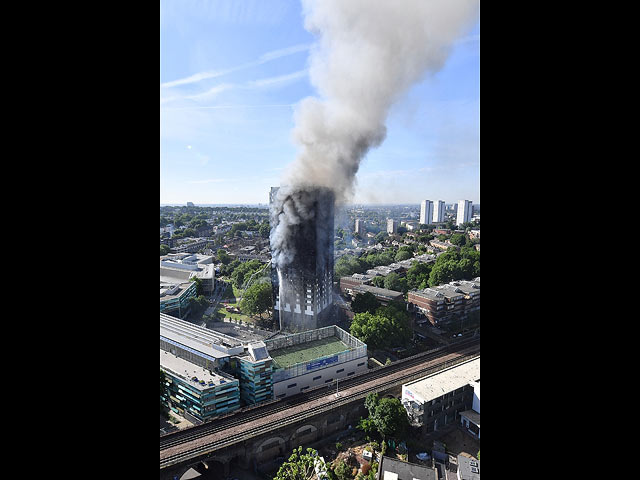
{"points": [[302, 250]]}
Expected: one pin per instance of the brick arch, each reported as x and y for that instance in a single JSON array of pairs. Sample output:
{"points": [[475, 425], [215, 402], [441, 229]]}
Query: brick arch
{"points": [[270, 448], [305, 434]]}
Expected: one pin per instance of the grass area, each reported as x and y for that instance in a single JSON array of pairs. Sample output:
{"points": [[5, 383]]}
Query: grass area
{"points": [[236, 316], [304, 352], [236, 291]]}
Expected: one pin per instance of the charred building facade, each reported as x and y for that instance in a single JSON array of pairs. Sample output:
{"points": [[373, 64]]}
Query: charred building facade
{"points": [[302, 287]]}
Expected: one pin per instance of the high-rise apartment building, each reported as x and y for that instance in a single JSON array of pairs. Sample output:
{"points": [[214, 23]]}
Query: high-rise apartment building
{"points": [[359, 227], [426, 212], [392, 225], [303, 288], [465, 211], [438, 212]]}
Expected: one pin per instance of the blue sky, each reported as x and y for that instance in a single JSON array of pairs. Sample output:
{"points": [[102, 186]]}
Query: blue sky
{"points": [[231, 72]]}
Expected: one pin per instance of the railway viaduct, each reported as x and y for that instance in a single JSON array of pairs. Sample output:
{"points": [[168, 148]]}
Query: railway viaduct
{"points": [[259, 449], [309, 424]]}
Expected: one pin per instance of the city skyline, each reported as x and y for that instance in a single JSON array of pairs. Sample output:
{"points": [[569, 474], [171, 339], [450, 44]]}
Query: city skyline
{"points": [[231, 79]]}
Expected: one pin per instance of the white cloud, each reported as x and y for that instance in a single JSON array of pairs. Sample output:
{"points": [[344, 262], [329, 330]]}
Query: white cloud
{"points": [[264, 58]]}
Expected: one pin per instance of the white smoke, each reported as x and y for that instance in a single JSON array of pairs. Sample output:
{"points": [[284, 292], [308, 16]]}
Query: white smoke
{"points": [[369, 53]]}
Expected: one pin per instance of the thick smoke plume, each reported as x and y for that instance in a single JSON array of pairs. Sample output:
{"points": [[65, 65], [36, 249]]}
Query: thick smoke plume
{"points": [[369, 53]]}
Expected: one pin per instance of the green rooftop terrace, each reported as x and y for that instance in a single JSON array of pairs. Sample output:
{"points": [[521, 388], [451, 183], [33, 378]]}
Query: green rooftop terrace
{"points": [[305, 352]]}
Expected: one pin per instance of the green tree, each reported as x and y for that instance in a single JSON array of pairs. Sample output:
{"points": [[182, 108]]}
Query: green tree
{"points": [[380, 237], [417, 274], [299, 466], [365, 302], [388, 327], [264, 230], [164, 249], [199, 288], [403, 255], [458, 239], [198, 305], [393, 281], [366, 425], [223, 257], [257, 299], [244, 271], [390, 418], [370, 402], [342, 471]]}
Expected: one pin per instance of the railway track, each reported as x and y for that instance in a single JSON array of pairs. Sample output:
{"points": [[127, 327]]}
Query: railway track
{"points": [[348, 395], [275, 406]]}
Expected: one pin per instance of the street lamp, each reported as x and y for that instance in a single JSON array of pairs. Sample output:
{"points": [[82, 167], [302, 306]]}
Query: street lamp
{"points": [[337, 394]]}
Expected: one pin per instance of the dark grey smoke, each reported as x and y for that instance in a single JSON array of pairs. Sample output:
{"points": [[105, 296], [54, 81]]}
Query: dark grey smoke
{"points": [[370, 52]]}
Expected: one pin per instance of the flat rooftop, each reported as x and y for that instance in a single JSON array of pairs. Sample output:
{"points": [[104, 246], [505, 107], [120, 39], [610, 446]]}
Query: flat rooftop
{"points": [[378, 292], [445, 381], [305, 352], [393, 469], [202, 340], [187, 370]]}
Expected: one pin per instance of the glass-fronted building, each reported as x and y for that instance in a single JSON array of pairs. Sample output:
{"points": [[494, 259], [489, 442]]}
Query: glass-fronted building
{"points": [[174, 299], [197, 391], [256, 374]]}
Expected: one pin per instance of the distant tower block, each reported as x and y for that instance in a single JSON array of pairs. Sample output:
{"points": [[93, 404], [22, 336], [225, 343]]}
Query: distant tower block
{"points": [[438, 212], [426, 212], [303, 289], [465, 211]]}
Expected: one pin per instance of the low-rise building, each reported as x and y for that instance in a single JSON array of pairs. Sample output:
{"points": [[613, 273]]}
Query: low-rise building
{"points": [[174, 297], [196, 391], [470, 419], [448, 302], [394, 469], [192, 245], [247, 362], [437, 399], [383, 295], [306, 360], [274, 368], [185, 267]]}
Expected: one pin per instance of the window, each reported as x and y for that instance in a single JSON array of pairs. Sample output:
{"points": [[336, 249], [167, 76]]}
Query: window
{"points": [[317, 378], [330, 380], [292, 385], [341, 370]]}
